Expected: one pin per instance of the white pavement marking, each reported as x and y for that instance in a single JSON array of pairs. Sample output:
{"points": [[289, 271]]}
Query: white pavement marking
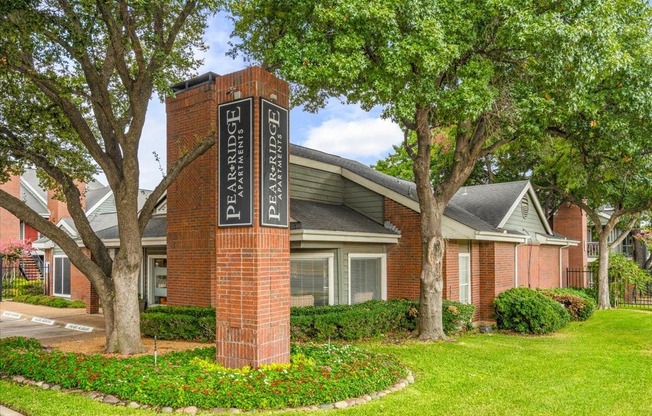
{"points": [[81, 328], [9, 314], [43, 321]]}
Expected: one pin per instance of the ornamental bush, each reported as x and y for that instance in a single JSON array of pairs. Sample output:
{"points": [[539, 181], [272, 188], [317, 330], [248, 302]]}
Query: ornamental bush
{"points": [[579, 305], [529, 312], [317, 374]]}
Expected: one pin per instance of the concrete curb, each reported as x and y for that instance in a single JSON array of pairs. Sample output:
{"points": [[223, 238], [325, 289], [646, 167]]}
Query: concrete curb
{"points": [[5, 411]]}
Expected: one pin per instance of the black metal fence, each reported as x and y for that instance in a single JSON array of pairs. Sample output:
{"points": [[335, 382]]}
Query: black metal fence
{"points": [[621, 293], [16, 280], [579, 278]]}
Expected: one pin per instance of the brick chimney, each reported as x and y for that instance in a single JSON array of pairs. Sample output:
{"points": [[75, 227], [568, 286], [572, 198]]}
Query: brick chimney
{"points": [[571, 221]]}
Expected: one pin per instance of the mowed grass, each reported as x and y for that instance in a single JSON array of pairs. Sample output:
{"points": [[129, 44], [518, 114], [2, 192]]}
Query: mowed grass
{"points": [[600, 367]]}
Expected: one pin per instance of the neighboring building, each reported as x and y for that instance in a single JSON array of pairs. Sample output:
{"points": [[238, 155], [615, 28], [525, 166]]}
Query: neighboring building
{"points": [[626, 247]]}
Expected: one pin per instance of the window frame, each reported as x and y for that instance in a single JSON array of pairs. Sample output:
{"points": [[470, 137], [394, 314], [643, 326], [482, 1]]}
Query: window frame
{"points": [[383, 271], [468, 285], [151, 280], [331, 269], [54, 276]]}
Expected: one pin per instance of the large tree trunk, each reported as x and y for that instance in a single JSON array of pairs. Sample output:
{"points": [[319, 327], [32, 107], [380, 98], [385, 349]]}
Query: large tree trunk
{"points": [[125, 335], [432, 283], [430, 325], [603, 270]]}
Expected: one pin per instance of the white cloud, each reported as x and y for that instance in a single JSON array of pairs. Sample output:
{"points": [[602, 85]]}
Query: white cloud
{"points": [[366, 139]]}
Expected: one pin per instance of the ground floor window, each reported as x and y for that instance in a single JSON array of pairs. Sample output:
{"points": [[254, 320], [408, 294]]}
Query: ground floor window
{"points": [[367, 277], [158, 278], [61, 276], [465, 273], [311, 279]]}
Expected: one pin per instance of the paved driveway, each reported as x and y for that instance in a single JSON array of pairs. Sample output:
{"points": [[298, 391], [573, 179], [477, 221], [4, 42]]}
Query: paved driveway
{"points": [[48, 324]]}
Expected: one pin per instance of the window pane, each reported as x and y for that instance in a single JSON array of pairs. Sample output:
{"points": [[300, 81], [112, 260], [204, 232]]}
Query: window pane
{"points": [[465, 278], [309, 277], [58, 272], [66, 276], [365, 279]]}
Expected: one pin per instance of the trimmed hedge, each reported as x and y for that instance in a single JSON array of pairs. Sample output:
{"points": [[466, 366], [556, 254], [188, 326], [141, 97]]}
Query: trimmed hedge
{"points": [[579, 305], [51, 301], [317, 374], [529, 312], [338, 322]]}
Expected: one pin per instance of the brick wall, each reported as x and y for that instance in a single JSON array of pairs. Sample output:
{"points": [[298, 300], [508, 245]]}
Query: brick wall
{"points": [[549, 266], [9, 224], [403, 258], [81, 288], [496, 275], [192, 200], [452, 271], [571, 221]]}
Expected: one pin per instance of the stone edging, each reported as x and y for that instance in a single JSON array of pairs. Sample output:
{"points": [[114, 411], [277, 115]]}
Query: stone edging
{"points": [[191, 410]]}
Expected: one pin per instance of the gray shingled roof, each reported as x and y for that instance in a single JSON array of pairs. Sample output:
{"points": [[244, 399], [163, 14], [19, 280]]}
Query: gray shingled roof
{"points": [[33, 202], [311, 215], [491, 202], [474, 212], [94, 195], [156, 227], [30, 177]]}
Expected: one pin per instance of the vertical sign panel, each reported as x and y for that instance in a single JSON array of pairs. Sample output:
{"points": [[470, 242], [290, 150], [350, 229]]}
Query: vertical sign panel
{"points": [[235, 204], [274, 144]]}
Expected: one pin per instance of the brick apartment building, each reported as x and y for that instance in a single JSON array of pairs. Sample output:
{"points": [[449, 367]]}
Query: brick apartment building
{"points": [[352, 234]]}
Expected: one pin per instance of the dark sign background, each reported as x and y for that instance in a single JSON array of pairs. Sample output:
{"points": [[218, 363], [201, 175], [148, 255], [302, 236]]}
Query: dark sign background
{"points": [[235, 205], [274, 146]]}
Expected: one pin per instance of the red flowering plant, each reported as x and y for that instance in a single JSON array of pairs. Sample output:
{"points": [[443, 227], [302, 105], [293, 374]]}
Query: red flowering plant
{"points": [[11, 251]]}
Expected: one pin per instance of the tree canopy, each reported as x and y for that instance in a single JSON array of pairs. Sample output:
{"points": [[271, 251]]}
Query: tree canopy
{"points": [[77, 78], [483, 70]]}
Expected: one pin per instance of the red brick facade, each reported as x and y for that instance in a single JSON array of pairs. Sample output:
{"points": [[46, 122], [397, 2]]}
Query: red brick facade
{"points": [[571, 221], [192, 200], [242, 271], [9, 224], [403, 258]]}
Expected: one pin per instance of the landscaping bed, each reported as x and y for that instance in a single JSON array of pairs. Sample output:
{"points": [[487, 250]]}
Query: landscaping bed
{"points": [[318, 374]]}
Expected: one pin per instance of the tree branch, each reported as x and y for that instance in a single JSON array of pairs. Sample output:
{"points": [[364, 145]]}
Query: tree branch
{"points": [[172, 174]]}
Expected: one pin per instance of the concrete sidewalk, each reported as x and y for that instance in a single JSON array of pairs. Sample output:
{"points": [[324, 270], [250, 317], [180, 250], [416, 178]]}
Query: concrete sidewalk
{"points": [[25, 325], [5, 411]]}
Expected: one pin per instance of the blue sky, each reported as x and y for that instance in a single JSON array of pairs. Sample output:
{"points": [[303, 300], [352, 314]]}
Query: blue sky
{"points": [[344, 130]]}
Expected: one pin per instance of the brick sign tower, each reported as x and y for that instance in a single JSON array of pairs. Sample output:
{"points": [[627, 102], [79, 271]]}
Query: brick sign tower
{"points": [[238, 235]]}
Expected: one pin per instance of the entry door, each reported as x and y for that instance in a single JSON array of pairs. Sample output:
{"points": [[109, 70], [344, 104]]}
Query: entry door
{"points": [[158, 267], [61, 276]]}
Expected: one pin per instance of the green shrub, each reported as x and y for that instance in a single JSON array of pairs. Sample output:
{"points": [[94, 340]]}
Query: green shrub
{"points": [[370, 319], [196, 311], [51, 301], [317, 374], [529, 312], [337, 322], [579, 305], [170, 326]]}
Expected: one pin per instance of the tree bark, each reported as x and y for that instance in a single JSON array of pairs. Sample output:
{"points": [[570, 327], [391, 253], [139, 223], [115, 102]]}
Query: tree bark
{"points": [[603, 268], [430, 325]]}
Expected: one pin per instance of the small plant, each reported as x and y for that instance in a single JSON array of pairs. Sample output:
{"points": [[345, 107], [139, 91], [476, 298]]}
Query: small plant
{"points": [[529, 312]]}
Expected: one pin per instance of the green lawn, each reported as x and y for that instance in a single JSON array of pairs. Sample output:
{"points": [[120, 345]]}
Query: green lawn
{"points": [[601, 367]]}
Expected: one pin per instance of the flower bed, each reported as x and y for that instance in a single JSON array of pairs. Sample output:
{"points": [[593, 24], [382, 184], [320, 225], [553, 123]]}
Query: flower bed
{"points": [[317, 374]]}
